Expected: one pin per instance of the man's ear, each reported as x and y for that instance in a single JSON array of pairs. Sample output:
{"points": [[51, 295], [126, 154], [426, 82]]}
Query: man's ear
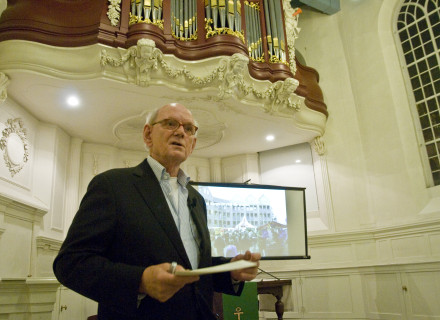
{"points": [[147, 135], [193, 144]]}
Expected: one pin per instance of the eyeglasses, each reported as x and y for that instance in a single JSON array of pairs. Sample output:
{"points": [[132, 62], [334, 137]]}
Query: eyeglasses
{"points": [[173, 124]]}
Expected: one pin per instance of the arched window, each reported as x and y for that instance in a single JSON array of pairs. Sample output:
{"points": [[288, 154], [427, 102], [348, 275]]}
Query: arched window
{"points": [[418, 27]]}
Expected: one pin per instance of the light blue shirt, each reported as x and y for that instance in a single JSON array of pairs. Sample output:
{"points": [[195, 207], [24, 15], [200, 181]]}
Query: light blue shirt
{"points": [[176, 194]]}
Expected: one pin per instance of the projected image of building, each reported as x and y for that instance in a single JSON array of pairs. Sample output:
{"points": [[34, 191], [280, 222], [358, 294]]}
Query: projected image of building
{"points": [[238, 223], [249, 212]]}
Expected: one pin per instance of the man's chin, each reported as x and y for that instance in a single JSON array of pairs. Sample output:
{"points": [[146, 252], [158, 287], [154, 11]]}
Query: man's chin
{"points": [[178, 154]]}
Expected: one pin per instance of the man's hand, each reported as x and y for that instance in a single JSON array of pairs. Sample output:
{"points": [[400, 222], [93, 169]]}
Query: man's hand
{"points": [[247, 274], [161, 285]]}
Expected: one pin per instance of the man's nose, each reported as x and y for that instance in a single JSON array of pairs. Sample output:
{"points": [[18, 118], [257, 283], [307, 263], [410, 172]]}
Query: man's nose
{"points": [[180, 129]]}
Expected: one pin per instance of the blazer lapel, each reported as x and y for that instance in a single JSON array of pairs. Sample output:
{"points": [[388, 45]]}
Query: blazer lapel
{"points": [[150, 189]]}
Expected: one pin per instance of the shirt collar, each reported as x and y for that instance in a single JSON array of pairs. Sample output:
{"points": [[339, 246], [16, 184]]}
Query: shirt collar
{"points": [[161, 174]]}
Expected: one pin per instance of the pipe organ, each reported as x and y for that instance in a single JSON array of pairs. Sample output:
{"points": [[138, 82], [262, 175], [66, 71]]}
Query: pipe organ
{"points": [[257, 26], [147, 11], [189, 30]]}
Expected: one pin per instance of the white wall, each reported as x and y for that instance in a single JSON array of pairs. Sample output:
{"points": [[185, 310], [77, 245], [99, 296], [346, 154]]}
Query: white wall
{"points": [[34, 195], [375, 171]]}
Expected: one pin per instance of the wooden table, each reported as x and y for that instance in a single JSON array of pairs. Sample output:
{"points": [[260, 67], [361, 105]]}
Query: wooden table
{"points": [[275, 288]]}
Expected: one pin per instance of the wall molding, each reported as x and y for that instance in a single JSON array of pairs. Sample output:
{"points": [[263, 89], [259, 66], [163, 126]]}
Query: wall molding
{"points": [[20, 210], [375, 234], [418, 242], [48, 244], [33, 297]]}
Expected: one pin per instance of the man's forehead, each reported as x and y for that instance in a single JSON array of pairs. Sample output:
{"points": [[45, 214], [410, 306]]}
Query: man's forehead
{"points": [[175, 109]]}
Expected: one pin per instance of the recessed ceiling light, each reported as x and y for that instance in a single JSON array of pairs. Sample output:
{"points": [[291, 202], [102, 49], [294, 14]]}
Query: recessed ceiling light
{"points": [[298, 161], [270, 138], [72, 101]]}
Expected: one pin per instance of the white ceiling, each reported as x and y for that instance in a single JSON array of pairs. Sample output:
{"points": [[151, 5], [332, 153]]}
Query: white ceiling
{"points": [[113, 113]]}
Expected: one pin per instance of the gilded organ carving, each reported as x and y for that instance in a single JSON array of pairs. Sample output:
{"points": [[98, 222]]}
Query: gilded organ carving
{"points": [[4, 81]]}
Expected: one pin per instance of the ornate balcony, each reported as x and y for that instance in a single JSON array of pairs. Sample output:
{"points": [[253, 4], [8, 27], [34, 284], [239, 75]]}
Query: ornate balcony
{"points": [[235, 55]]}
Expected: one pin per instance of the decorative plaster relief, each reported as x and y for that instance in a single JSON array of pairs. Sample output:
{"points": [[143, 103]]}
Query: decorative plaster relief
{"points": [[319, 145], [4, 82], [14, 145], [144, 64], [114, 12]]}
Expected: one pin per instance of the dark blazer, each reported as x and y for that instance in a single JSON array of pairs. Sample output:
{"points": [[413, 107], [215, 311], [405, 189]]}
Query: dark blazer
{"points": [[124, 225]]}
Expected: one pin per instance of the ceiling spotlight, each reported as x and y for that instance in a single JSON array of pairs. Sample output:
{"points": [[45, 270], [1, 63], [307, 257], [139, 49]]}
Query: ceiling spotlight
{"points": [[73, 101], [298, 161], [270, 138]]}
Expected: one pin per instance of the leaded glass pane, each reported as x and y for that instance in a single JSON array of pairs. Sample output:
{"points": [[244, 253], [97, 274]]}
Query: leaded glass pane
{"points": [[430, 149], [424, 121], [428, 90], [437, 132], [432, 105], [419, 53], [436, 177], [415, 82], [421, 109], [418, 94], [435, 74], [432, 6], [427, 135], [429, 48], [433, 62], [415, 41], [436, 29], [409, 58], [426, 36], [403, 35], [435, 118], [412, 71], [437, 86], [434, 18], [422, 25], [422, 66], [435, 164]]}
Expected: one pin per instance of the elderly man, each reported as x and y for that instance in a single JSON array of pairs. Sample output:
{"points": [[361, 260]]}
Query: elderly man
{"points": [[133, 222]]}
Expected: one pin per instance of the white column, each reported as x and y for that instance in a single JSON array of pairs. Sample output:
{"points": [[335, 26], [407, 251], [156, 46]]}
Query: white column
{"points": [[216, 169], [72, 186]]}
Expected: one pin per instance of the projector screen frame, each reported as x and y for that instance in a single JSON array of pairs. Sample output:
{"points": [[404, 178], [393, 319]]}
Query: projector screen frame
{"points": [[269, 187]]}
